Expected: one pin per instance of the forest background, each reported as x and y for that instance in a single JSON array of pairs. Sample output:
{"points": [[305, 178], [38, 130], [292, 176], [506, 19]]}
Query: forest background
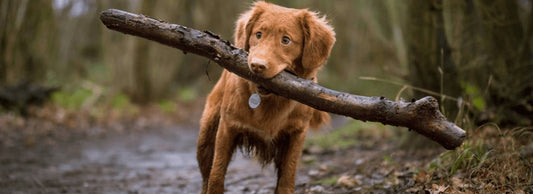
{"points": [[474, 56]]}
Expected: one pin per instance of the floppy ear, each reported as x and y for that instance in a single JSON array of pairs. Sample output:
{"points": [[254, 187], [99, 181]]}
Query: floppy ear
{"points": [[245, 23], [319, 38]]}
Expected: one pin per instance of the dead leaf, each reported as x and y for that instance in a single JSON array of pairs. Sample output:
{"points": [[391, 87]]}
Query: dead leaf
{"points": [[346, 181], [519, 191], [422, 177], [457, 182], [436, 189], [414, 189]]}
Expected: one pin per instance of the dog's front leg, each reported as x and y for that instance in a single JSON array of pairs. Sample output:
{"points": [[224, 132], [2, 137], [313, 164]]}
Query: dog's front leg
{"points": [[287, 163], [224, 147]]}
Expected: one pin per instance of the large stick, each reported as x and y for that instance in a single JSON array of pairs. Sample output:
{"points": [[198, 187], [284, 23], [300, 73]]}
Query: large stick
{"points": [[422, 116]]}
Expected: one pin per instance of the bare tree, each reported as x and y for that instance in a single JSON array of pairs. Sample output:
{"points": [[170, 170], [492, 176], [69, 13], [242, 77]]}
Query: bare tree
{"points": [[26, 39], [429, 55]]}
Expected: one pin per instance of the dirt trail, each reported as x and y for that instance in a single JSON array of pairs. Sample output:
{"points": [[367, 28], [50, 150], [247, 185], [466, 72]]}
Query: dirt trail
{"points": [[152, 161], [163, 160]]}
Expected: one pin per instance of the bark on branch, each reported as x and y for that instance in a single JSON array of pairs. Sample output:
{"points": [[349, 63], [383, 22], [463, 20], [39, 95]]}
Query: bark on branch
{"points": [[422, 116]]}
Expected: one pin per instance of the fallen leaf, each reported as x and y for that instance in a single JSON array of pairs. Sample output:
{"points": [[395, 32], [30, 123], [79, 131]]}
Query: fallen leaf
{"points": [[436, 189], [457, 182], [519, 191], [414, 189], [422, 177], [346, 181]]}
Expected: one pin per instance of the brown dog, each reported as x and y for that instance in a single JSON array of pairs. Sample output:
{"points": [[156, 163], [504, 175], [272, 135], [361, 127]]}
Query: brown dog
{"points": [[274, 129]]}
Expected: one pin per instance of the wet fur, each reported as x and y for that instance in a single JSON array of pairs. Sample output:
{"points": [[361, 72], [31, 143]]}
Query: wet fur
{"points": [[275, 131]]}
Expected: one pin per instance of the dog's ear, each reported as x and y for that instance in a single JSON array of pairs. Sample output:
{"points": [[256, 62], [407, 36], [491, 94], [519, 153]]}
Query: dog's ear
{"points": [[245, 24], [319, 38]]}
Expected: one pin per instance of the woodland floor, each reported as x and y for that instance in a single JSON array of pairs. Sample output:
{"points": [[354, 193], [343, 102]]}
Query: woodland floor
{"points": [[142, 155]]}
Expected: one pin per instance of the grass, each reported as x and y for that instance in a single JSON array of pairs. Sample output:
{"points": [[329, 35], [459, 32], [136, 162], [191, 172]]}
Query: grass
{"points": [[346, 136], [71, 99], [167, 106], [86, 104], [326, 181], [491, 160]]}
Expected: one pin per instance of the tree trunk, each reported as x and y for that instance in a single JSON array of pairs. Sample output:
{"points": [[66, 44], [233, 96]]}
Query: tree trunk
{"points": [[25, 40], [429, 55], [510, 96], [422, 116], [142, 88]]}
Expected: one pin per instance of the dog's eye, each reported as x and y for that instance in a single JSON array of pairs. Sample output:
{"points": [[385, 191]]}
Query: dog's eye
{"points": [[258, 35], [285, 40]]}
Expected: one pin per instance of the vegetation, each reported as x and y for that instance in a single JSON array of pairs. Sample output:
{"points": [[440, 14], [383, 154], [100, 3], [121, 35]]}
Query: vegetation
{"points": [[343, 137], [491, 160]]}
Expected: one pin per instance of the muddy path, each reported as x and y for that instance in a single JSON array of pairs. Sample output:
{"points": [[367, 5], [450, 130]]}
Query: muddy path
{"points": [[152, 161], [163, 160]]}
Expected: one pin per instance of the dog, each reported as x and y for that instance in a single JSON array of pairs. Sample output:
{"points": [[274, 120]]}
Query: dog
{"points": [[241, 114]]}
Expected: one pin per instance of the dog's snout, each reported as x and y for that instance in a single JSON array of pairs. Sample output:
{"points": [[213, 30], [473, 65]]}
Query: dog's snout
{"points": [[258, 65]]}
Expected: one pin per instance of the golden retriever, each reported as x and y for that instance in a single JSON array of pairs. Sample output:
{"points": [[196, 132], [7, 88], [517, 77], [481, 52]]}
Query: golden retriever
{"points": [[241, 114]]}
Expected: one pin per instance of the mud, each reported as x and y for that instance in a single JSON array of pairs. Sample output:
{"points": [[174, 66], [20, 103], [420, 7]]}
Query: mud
{"points": [[154, 161], [164, 161]]}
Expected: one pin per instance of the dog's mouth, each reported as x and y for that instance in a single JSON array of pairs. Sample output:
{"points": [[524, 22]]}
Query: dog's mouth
{"points": [[263, 91]]}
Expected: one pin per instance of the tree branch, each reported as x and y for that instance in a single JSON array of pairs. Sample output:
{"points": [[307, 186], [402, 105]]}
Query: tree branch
{"points": [[422, 116]]}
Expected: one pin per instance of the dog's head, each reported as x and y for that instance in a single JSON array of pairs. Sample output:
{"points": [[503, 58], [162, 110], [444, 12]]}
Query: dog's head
{"points": [[279, 38]]}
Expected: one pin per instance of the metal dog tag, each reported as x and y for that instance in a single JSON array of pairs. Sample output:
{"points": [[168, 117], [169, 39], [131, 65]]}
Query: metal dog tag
{"points": [[254, 100]]}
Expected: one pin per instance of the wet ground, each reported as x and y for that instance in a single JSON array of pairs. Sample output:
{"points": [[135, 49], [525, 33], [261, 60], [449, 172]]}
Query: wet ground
{"points": [[163, 160], [153, 161]]}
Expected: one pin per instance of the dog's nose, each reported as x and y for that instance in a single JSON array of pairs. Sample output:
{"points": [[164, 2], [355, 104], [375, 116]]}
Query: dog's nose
{"points": [[257, 65]]}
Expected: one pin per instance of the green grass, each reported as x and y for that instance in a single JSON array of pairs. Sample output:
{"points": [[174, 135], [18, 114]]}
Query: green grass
{"points": [[120, 101], [489, 160], [71, 99], [469, 156], [326, 181], [167, 106], [187, 94], [344, 137]]}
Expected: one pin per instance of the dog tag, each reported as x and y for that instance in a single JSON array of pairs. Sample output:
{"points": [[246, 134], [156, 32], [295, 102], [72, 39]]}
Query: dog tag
{"points": [[254, 100]]}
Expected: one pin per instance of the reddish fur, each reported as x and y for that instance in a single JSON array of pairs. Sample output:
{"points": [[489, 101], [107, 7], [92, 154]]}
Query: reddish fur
{"points": [[275, 131]]}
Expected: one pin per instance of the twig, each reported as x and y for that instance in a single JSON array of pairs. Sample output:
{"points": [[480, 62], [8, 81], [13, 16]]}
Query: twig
{"points": [[39, 183]]}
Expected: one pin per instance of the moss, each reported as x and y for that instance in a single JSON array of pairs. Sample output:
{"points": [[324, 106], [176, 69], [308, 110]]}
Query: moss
{"points": [[326, 181], [344, 137]]}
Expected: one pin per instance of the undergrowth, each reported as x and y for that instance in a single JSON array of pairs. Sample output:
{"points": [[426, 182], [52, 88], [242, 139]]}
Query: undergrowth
{"points": [[352, 134], [490, 160]]}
